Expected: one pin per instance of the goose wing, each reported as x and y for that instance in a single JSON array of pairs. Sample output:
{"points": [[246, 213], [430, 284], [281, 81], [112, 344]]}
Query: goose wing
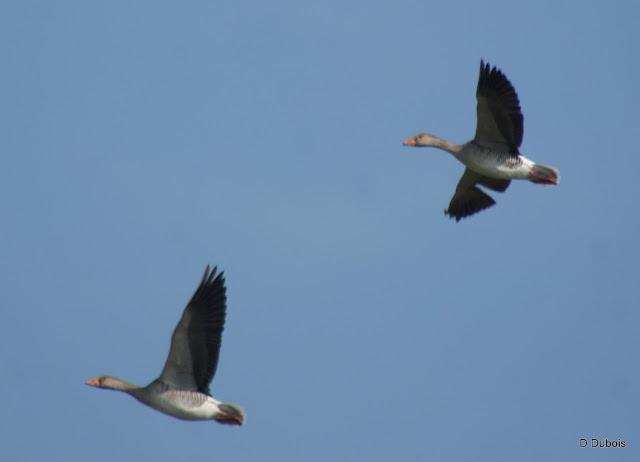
{"points": [[500, 121], [196, 340], [469, 199]]}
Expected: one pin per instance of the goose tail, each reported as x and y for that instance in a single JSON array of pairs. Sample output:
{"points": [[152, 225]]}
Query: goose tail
{"points": [[544, 174]]}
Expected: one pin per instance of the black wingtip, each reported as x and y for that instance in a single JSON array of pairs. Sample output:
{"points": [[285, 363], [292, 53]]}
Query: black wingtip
{"points": [[467, 203], [211, 274], [209, 278], [485, 67], [453, 216]]}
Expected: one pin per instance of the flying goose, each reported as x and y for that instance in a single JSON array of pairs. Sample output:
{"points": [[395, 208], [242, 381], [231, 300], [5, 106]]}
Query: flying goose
{"points": [[182, 390], [492, 158]]}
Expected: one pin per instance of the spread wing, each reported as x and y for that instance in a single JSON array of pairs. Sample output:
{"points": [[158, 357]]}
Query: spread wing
{"points": [[196, 340], [500, 120], [469, 199]]}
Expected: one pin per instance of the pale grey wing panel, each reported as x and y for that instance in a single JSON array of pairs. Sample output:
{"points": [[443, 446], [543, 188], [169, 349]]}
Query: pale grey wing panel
{"points": [[178, 368], [196, 341]]}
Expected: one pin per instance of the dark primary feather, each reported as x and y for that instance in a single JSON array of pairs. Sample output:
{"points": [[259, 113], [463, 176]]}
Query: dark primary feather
{"points": [[196, 340], [500, 120], [469, 199], [468, 202]]}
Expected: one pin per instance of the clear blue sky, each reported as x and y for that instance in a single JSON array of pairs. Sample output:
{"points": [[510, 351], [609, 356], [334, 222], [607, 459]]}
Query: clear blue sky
{"points": [[142, 140]]}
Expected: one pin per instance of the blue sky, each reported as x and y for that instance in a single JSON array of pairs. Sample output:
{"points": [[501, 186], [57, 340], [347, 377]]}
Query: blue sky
{"points": [[143, 140]]}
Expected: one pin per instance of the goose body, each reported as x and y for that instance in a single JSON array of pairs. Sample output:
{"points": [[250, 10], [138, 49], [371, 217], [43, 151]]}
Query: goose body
{"points": [[492, 158], [498, 165], [183, 404], [182, 390]]}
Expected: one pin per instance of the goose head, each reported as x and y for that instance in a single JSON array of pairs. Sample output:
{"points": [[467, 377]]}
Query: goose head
{"points": [[422, 139], [110, 383]]}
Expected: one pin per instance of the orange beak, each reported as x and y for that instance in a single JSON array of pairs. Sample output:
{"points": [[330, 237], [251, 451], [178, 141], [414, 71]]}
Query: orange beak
{"points": [[409, 142], [92, 382]]}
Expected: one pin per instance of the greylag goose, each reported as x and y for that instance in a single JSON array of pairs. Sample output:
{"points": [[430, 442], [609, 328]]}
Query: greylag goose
{"points": [[491, 159], [182, 390]]}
